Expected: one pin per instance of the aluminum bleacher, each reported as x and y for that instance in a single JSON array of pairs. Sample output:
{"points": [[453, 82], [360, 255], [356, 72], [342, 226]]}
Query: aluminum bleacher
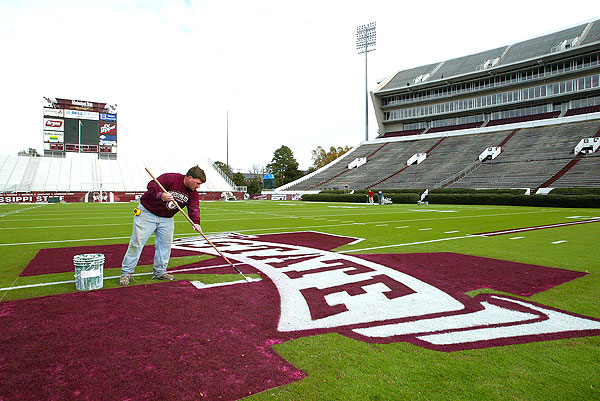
{"points": [[451, 156], [338, 166], [531, 157], [403, 133], [583, 110], [533, 117], [455, 127], [82, 174], [16, 168], [389, 160], [586, 173]]}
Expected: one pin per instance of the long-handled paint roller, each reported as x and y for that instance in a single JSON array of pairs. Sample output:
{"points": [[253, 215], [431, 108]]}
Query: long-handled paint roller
{"points": [[193, 224]]}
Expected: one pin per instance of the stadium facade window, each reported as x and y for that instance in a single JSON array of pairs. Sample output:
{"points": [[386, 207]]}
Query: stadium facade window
{"points": [[520, 112], [538, 92], [585, 102], [559, 67]]}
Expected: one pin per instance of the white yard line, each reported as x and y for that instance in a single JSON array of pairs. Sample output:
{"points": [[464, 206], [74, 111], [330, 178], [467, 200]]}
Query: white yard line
{"points": [[200, 285], [19, 211], [409, 243], [18, 287]]}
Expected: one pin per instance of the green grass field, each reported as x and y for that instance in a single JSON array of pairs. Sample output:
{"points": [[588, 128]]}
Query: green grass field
{"points": [[341, 368]]}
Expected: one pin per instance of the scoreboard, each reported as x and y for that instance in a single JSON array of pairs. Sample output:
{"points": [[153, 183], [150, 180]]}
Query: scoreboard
{"points": [[79, 126]]}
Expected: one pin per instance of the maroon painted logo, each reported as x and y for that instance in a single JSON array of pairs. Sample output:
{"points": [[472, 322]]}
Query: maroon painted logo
{"points": [[418, 298], [217, 339]]}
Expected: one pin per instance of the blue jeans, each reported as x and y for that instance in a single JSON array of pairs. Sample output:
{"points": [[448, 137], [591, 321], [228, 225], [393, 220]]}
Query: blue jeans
{"points": [[144, 226]]}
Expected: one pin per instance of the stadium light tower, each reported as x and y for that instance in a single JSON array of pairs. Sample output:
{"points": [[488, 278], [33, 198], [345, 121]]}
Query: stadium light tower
{"points": [[366, 39]]}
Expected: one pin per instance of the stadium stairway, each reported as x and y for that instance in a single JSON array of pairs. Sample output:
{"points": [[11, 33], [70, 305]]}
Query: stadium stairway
{"points": [[565, 169], [562, 172], [369, 156], [471, 168], [403, 168]]}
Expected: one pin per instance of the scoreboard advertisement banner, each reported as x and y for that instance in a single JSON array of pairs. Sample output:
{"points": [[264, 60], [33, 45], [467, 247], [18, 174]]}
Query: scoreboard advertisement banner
{"points": [[80, 125], [84, 115], [54, 124], [108, 134], [53, 136], [108, 117], [108, 129], [54, 112]]}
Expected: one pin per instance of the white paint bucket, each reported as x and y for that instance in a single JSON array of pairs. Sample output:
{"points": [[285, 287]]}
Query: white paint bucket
{"points": [[89, 271]]}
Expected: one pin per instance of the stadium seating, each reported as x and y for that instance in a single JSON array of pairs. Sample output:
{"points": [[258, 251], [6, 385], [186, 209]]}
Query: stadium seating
{"points": [[339, 167], [583, 110], [403, 133], [455, 127], [81, 174], [586, 173], [534, 117], [530, 157], [451, 156]]}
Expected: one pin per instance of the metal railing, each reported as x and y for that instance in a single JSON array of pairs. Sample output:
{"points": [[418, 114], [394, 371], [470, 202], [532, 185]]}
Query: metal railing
{"points": [[464, 172]]}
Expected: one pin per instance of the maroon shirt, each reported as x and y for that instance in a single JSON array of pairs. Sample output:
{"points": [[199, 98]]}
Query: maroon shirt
{"points": [[173, 182]]}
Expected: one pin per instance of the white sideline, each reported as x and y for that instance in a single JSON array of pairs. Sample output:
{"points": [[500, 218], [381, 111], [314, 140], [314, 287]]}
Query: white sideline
{"points": [[18, 287]]}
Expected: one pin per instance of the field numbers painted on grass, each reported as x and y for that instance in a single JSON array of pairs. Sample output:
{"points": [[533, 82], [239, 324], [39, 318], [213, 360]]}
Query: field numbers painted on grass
{"points": [[418, 298]]}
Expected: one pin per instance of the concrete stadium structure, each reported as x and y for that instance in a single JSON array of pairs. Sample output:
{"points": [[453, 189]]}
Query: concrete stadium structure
{"points": [[531, 103]]}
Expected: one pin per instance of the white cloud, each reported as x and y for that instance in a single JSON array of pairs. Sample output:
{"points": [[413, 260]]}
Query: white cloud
{"points": [[288, 73]]}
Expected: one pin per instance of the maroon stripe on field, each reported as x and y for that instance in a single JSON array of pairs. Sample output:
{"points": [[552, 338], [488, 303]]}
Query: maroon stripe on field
{"points": [[60, 260], [522, 229], [311, 239]]}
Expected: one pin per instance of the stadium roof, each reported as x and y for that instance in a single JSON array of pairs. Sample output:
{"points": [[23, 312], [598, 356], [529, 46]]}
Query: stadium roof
{"points": [[572, 39]]}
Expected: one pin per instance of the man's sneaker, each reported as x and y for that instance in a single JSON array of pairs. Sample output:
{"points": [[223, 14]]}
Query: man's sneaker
{"points": [[164, 276], [125, 279]]}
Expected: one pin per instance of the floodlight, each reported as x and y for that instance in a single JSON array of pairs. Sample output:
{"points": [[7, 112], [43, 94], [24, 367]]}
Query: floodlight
{"points": [[366, 39]]}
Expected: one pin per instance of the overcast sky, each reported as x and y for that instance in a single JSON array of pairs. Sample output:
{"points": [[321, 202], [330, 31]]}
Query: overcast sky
{"points": [[287, 72]]}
